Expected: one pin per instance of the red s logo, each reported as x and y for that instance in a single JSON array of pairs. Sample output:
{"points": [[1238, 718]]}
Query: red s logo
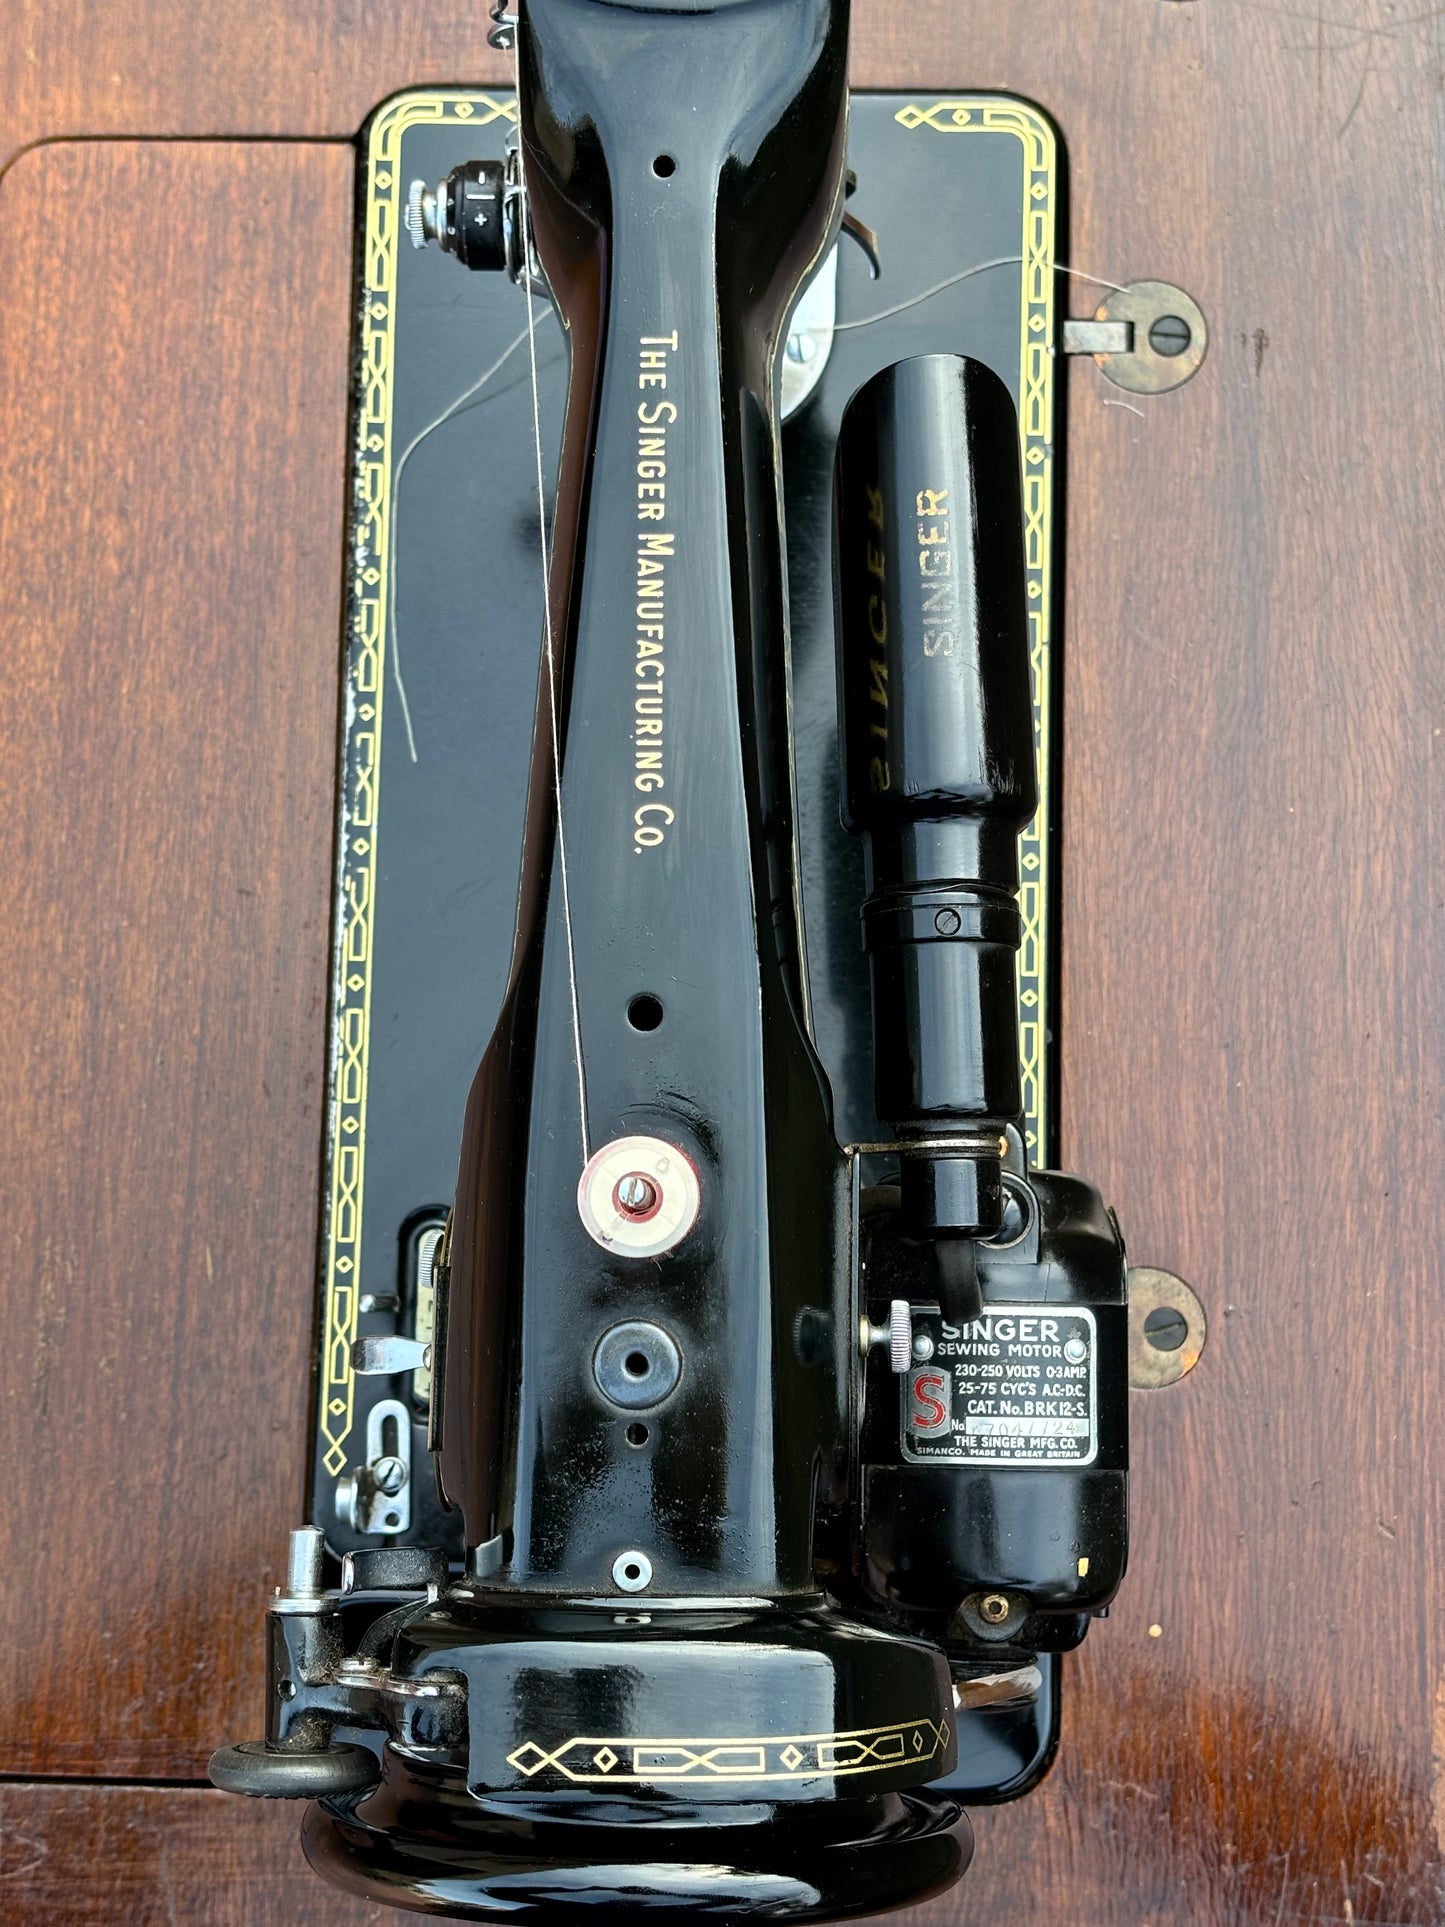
{"points": [[927, 1411]]}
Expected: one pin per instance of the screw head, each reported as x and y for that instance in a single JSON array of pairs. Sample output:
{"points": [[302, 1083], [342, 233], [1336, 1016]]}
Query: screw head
{"points": [[1170, 335], [390, 1476], [1166, 1328], [922, 1346], [635, 1195], [1076, 1351], [948, 923]]}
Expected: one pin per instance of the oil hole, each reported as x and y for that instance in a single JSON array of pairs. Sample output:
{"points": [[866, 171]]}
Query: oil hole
{"points": [[637, 1364], [637, 1435], [664, 167], [644, 1012]]}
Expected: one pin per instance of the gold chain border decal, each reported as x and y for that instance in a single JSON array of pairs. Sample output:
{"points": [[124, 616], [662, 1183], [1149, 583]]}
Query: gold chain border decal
{"points": [[370, 561], [874, 1749], [984, 115], [356, 858]]}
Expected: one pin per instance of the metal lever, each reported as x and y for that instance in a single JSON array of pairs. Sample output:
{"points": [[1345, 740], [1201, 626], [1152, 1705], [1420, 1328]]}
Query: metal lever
{"points": [[1098, 337], [867, 239], [381, 1357]]}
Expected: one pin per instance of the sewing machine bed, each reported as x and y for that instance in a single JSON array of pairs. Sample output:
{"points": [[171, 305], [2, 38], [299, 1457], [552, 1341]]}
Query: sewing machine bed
{"points": [[445, 582]]}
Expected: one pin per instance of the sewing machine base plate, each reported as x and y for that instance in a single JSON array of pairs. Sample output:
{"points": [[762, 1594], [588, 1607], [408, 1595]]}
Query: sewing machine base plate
{"points": [[962, 191]]}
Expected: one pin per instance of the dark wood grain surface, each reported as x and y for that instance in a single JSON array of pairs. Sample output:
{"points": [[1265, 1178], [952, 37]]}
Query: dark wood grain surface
{"points": [[1252, 1052], [173, 421]]}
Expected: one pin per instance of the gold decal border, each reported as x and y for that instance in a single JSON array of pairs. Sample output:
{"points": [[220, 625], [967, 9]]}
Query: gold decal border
{"points": [[368, 562], [992, 114]]}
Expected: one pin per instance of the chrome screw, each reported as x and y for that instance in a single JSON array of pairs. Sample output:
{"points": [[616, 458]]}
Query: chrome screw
{"points": [[390, 1476]]}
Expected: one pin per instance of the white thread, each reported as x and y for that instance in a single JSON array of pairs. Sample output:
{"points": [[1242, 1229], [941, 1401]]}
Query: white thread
{"points": [[966, 274], [551, 651], [452, 408]]}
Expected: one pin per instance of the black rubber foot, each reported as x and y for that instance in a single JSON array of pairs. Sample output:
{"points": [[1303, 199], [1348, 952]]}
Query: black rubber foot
{"points": [[253, 1768]]}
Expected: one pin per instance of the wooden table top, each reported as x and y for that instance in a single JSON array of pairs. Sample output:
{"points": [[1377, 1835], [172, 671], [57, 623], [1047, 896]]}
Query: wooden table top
{"points": [[1251, 923]]}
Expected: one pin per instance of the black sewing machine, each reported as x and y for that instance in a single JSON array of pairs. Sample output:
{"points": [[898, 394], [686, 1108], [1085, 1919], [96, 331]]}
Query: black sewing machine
{"points": [[775, 1393]]}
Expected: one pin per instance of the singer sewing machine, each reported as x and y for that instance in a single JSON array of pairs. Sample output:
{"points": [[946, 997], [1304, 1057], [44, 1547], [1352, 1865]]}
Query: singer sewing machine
{"points": [[721, 1455]]}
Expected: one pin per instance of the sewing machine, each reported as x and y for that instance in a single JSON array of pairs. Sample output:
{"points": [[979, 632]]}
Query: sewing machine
{"points": [[731, 1443]]}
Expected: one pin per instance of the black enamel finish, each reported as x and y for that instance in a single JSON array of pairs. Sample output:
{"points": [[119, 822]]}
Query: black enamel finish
{"points": [[938, 762], [435, 1001], [1055, 1535], [600, 1745], [424, 1845], [675, 232], [471, 201], [678, 844], [938, 747]]}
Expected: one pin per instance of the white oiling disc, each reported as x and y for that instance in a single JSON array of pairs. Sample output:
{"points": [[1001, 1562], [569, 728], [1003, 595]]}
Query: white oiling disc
{"points": [[638, 1196]]}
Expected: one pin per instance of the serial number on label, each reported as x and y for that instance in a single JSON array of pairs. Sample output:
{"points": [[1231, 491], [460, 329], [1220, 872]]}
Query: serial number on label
{"points": [[1016, 1387]]}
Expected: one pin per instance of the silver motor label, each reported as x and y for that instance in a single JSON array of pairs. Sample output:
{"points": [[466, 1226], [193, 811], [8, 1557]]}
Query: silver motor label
{"points": [[1016, 1387]]}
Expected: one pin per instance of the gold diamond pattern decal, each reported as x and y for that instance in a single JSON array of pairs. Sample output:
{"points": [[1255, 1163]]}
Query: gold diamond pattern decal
{"points": [[587, 1758], [978, 114]]}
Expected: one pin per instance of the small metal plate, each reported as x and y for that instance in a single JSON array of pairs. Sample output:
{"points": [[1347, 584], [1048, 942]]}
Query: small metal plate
{"points": [[1019, 1386], [1170, 337], [1167, 1328]]}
